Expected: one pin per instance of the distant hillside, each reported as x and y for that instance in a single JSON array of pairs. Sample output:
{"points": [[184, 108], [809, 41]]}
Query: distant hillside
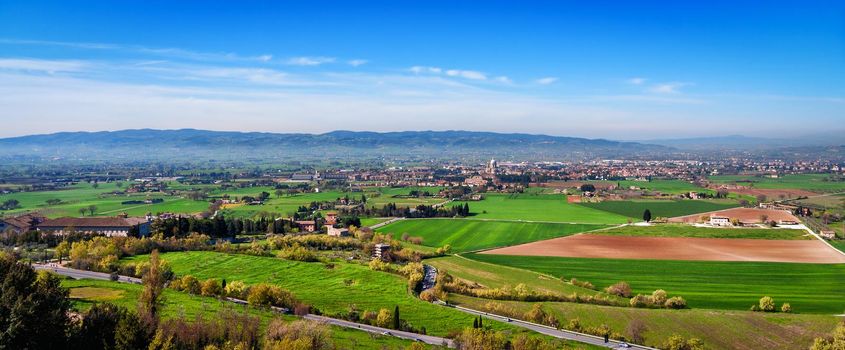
{"points": [[740, 142], [190, 143]]}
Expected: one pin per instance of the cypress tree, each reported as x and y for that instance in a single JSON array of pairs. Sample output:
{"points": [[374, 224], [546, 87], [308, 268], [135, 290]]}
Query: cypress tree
{"points": [[396, 323], [475, 323]]}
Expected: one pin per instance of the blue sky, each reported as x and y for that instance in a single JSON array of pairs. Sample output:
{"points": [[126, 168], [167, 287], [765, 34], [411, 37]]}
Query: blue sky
{"points": [[592, 69]]}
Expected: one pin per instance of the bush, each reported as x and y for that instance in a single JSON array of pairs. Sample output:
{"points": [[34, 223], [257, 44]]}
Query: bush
{"points": [[236, 289], [267, 294], [536, 314], [767, 304], [786, 308], [621, 289], [582, 284], [640, 300], [658, 297], [297, 335], [676, 303], [211, 287]]}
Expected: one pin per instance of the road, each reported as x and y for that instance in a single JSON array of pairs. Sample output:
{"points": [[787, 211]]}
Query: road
{"points": [[551, 331], [384, 331], [81, 274]]}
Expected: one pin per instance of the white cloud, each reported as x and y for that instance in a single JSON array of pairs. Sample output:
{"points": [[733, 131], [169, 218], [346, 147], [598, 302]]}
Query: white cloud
{"points": [[309, 61], [668, 88], [265, 58], [546, 80], [467, 74], [504, 79], [636, 81], [424, 69], [357, 62], [47, 66]]}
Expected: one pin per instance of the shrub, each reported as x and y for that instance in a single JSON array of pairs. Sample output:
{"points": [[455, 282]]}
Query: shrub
{"points": [[191, 285], [536, 314], [676, 303], [767, 304], [267, 294], [301, 334], [640, 300], [658, 297], [211, 287], [786, 308], [236, 289], [427, 295], [582, 284], [384, 319], [677, 342], [621, 289]]}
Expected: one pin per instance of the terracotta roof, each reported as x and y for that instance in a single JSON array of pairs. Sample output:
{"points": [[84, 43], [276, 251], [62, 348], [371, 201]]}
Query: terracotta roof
{"points": [[92, 222], [23, 221]]}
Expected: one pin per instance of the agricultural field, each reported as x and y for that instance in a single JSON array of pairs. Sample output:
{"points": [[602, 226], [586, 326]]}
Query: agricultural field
{"points": [[835, 202], [87, 292], [660, 208], [662, 186], [468, 235], [807, 182], [331, 290], [539, 207], [718, 329], [809, 288], [84, 195], [367, 222], [670, 230]]}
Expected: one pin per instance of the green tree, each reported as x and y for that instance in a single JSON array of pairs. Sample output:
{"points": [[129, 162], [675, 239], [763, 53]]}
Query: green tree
{"points": [[62, 250], [767, 304], [129, 333], [397, 324], [82, 211], [91, 209], [151, 300], [33, 308]]}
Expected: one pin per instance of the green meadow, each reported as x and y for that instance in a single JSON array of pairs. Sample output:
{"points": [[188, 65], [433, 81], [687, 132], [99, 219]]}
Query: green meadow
{"points": [[539, 207], [330, 289], [809, 288], [670, 230], [468, 234], [660, 208], [808, 182], [84, 195], [85, 293]]}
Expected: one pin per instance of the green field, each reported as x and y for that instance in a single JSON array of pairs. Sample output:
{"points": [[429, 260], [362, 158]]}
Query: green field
{"points": [[669, 230], [808, 182], [539, 207], [367, 222], [809, 288], [467, 234], [659, 185], [83, 195], [718, 329], [87, 292], [332, 290], [658, 208]]}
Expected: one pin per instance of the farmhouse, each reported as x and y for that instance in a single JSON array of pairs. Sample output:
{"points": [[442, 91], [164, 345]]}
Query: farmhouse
{"points": [[336, 232], [380, 250], [21, 223], [109, 226], [306, 226], [720, 220]]}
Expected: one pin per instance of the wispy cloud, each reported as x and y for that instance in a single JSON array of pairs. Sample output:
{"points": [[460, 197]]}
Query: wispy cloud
{"points": [[669, 88], [423, 69], [46, 66], [636, 81], [546, 81], [309, 61], [468, 74], [357, 62], [503, 79]]}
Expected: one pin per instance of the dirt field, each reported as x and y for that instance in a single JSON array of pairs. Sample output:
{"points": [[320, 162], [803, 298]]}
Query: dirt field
{"points": [[746, 215], [663, 248]]}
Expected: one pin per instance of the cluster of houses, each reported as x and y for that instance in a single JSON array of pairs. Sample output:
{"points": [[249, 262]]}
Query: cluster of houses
{"points": [[115, 226]]}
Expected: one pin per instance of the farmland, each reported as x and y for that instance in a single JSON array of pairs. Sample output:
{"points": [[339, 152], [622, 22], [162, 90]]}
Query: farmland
{"points": [[466, 235], [807, 182], [669, 230], [83, 195], [718, 329], [87, 292], [660, 208], [810, 288], [539, 207], [331, 290]]}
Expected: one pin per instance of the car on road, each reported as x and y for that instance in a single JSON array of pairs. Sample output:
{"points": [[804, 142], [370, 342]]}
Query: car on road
{"points": [[623, 345]]}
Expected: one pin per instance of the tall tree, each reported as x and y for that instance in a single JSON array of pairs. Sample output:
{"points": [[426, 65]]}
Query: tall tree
{"points": [[396, 322], [150, 300]]}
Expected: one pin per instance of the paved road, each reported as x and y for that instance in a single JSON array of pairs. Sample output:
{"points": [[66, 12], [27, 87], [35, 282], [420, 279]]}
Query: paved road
{"points": [[384, 331], [388, 222], [82, 273], [550, 331], [333, 321]]}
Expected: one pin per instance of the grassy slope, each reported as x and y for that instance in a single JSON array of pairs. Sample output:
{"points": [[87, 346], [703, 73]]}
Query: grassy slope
{"points": [[668, 230], [635, 209], [809, 182], [717, 329], [324, 288], [809, 288], [366, 222], [497, 276], [539, 207], [466, 235], [82, 195], [177, 303]]}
